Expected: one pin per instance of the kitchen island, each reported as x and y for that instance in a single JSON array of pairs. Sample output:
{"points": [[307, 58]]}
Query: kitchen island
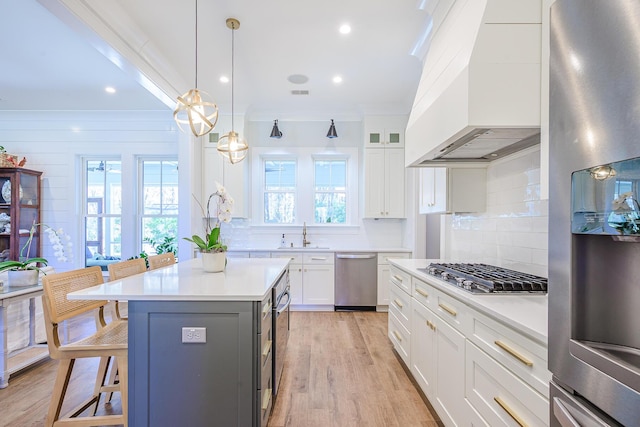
{"points": [[199, 343]]}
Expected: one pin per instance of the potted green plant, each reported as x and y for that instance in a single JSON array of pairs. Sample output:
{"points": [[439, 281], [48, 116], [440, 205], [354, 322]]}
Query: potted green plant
{"points": [[25, 271], [211, 247]]}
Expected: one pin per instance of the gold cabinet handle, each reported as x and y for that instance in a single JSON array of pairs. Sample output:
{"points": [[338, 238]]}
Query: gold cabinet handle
{"points": [[266, 349], [266, 309], [398, 278], [514, 353], [266, 399], [510, 411], [431, 325], [421, 292], [397, 335], [398, 303], [318, 258], [449, 310]]}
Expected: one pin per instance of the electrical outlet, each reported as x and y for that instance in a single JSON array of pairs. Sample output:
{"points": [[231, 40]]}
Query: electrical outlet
{"points": [[194, 335]]}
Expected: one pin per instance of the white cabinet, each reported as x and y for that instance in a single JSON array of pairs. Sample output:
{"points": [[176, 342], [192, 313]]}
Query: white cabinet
{"points": [[437, 355], [384, 274], [384, 131], [400, 314], [311, 277], [384, 183], [452, 189]]}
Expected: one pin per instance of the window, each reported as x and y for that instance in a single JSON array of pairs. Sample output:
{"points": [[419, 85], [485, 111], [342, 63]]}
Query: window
{"points": [[159, 206], [330, 197], [103, 209], [279, 191]]}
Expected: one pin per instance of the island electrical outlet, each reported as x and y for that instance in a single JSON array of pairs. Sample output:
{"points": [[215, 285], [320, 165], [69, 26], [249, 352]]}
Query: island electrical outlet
{"points": [[194, 335]]}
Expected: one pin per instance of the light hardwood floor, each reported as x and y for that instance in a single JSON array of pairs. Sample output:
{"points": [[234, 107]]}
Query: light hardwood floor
{"points": [[340, 370]]}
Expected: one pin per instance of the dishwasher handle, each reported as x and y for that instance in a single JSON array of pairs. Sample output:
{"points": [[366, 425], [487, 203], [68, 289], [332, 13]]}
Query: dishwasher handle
{"points": [[355, 256]]}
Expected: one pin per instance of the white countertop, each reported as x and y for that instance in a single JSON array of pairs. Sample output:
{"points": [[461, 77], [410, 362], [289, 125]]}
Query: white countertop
{"points": [[320, 249], [243, 280], [527, 313]]}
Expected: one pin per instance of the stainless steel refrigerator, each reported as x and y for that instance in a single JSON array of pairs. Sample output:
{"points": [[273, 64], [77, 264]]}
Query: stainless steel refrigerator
{"points": [[594, 215]]}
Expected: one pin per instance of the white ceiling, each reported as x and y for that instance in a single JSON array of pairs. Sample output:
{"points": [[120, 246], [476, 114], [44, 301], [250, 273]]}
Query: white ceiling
{"points": [[51, 63]]}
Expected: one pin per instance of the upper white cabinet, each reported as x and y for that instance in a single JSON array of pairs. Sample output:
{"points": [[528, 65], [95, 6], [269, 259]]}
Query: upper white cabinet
{"points": [[454, 189], [384, 131], [384, 183], [216, 169]]}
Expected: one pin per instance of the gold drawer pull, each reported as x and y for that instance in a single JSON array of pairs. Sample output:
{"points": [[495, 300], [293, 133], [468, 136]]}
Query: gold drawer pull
{"points": [[266, 309], [313, 258], [421, 292], [397, 335], [266, 349], [266, 399], [398, 303], [449, 310], [398, 278], [514, 353], [510, 411]]}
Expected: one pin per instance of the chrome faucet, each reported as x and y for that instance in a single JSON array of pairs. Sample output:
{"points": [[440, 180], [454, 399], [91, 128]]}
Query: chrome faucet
{"points": [[305, 242]]}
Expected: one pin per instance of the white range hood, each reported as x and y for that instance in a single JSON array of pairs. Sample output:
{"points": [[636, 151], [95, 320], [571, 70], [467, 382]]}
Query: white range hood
{"points": [[479, 94]]}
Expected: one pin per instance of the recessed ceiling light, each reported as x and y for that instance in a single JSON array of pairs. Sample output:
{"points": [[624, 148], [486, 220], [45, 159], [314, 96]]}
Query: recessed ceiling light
{"points": [[337, 79], [224, 79], [345, 29], [110, 89], [298, 79]]}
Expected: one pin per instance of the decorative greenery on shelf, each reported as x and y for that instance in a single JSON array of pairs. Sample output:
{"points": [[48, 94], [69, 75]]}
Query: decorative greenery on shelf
{"points": [[60, 241], [211, 241]]}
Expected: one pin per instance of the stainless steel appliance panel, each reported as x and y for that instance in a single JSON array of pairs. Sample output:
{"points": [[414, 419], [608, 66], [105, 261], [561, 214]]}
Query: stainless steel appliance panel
{"points": [[356, 281], [593, 281]]}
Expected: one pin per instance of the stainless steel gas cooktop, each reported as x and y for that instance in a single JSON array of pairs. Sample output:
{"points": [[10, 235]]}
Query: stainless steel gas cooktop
{"points": [[488, 279]]}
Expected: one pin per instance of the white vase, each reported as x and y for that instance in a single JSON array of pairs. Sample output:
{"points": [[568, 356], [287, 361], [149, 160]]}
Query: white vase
{"points": [[18, 278], [213, 262]]}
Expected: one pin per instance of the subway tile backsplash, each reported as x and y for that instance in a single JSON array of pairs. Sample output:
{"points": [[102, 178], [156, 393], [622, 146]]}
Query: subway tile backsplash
{"points": [[513, 232]]}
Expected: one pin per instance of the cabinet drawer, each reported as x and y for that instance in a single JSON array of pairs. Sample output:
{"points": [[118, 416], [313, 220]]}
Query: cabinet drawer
{"points": [[452, 311], [401, 279], [400, 337], [265, 393], [524, 357], [296, 258], [383, 257], [259, 254], [265, 315], [499, 397], [424, 293], [400, 305], [317, 258]]}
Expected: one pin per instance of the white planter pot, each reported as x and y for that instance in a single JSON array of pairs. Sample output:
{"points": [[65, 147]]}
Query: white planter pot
{"points": [[213, 262], [18, 278]]}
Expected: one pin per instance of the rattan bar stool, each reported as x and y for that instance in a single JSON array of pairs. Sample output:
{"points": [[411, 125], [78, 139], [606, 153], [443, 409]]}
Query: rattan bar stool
{"points": [[162, 260], [110, 340], [120, 270]]}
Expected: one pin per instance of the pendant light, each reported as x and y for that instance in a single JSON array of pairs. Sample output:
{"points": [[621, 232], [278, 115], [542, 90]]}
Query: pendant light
{"points": [[192, 109], [232, 146], [332, 131], [275, 132]]}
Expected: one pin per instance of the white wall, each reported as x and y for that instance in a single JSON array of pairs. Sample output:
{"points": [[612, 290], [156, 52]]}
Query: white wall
{"points": [[512, 233]]}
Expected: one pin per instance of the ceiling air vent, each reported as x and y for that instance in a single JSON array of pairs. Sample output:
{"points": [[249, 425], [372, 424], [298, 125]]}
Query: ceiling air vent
{"points": [[299, 92]]}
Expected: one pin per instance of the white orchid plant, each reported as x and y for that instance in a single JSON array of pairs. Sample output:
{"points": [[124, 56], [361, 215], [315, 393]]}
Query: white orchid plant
{"points": [[224, 207], [60, 241], [625, 214]]}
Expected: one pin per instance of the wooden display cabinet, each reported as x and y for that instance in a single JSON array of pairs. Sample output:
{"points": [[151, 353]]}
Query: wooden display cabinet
{"points": [[20, 201]]}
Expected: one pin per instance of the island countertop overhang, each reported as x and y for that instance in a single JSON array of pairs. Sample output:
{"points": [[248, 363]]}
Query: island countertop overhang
{"points": [[243, 280]]}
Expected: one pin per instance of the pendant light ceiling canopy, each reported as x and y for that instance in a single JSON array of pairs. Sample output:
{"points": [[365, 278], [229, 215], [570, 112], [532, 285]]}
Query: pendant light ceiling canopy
{"points": [[332, 131], [192, 109], [275, 132], [232, 146]]}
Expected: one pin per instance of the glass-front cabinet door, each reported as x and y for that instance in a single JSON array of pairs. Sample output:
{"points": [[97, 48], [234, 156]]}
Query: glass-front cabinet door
{"points": [[19, 211]]}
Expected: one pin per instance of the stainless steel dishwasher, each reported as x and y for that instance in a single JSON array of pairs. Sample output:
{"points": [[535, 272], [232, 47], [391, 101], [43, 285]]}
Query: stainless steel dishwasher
{"points": [[356, 281]]}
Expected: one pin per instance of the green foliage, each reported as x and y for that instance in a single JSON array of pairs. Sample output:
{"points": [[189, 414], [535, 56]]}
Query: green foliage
{"points": [[28, 264], [167, 244], [210, 243]]}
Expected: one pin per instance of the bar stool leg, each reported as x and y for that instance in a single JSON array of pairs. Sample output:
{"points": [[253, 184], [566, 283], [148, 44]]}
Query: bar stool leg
{"points": [[65, 367]]}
